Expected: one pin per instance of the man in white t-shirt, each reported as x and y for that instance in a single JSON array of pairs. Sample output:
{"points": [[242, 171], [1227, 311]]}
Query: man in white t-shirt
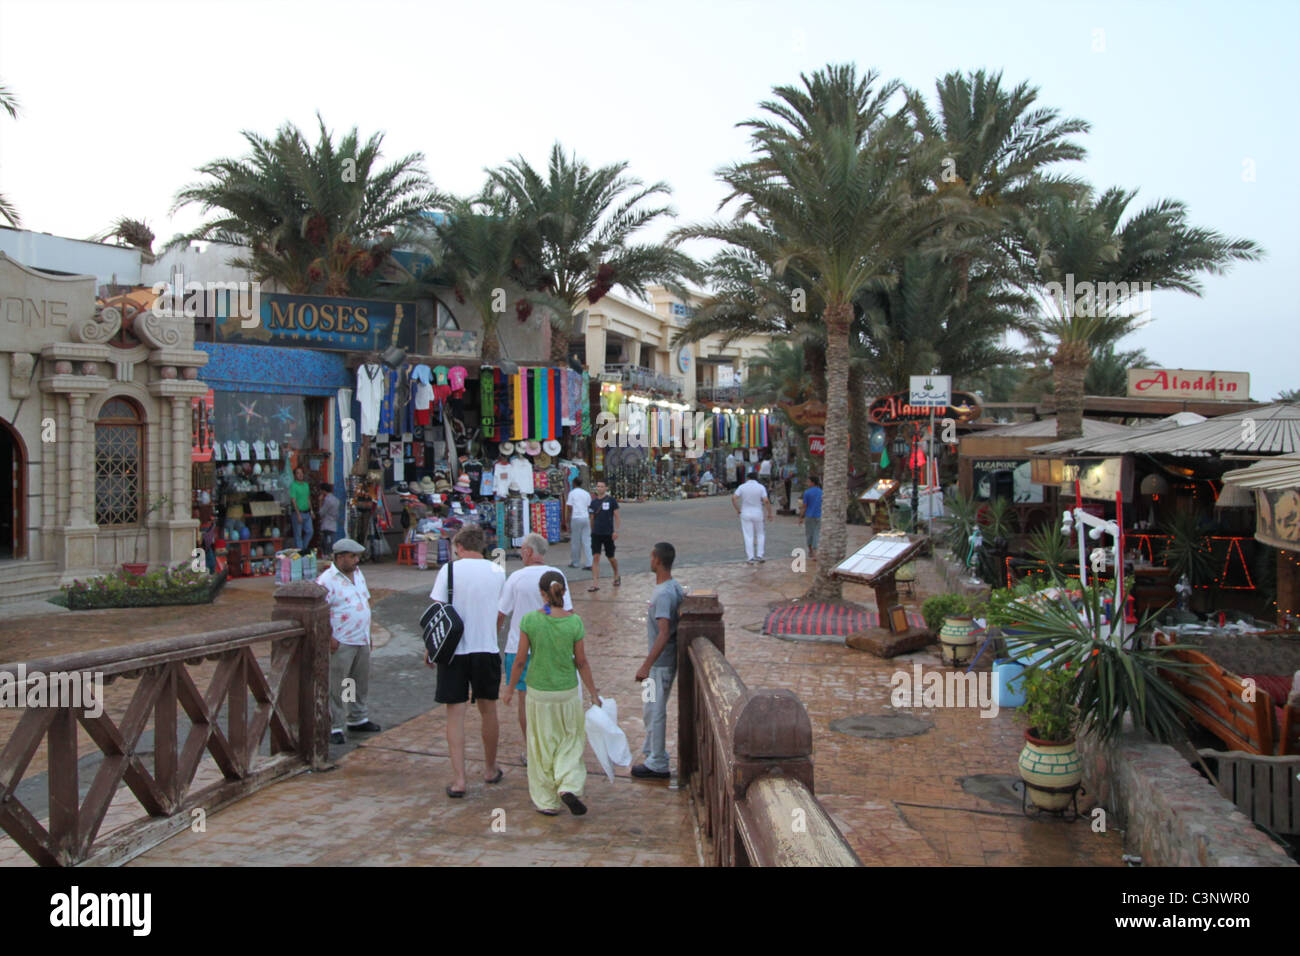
{"points": [[475, 671], [579, 521], [521, 595], [751, 503]]}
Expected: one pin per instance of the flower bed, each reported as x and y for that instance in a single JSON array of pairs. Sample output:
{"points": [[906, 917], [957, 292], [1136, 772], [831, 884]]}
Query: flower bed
{"points": [[179, 585]]}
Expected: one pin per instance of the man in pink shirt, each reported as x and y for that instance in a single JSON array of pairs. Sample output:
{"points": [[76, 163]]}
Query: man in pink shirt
{"points": [[349, 601]]}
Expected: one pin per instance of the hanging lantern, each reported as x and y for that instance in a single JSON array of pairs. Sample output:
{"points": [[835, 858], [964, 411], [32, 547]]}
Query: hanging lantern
{"points": [[1154, 485]]}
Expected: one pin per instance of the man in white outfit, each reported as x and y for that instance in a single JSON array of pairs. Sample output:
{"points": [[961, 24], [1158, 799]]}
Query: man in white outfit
{"points": [[577, 504], [751, 503]]}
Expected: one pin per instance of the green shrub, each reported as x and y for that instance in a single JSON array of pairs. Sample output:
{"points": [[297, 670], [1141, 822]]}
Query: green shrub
{"points": [[936, 608], [1049, 704], [179, 585]]}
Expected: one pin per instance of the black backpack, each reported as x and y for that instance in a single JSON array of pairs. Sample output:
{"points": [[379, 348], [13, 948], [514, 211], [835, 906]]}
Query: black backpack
{"points": [[442, 625]]}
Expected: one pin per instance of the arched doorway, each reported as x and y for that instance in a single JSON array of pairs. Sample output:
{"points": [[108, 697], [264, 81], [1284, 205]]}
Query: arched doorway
{"points": [[13, 493]]}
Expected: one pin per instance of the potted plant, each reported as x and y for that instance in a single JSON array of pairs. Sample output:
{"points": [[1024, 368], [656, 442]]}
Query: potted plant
{"points": [[1049, 763], [949, 616], [1108, 677], [152, 505]]}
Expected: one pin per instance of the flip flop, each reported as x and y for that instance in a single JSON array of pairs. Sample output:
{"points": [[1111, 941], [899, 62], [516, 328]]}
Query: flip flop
{"points": [[455, 794], [618, 582], [590, 589], [497, 779]]}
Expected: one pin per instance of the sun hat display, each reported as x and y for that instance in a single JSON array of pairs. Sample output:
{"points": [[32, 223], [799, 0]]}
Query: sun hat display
{"points": [[427, 485], [551, 447], [507, 448], [543, 460], [348, 546], [442, 485], [533, 448]]}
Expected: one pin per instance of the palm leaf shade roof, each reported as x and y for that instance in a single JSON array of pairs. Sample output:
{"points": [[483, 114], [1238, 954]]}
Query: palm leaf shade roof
{"points": [[1267, 430]]}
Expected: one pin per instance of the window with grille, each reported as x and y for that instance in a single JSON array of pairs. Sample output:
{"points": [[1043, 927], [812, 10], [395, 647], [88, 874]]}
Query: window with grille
{"points": [[119, 463]]}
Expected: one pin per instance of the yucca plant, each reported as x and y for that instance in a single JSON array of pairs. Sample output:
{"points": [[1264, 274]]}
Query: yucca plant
{"points": [[1112, 678], [1187, 552], [1048, 547], [962, 512]]}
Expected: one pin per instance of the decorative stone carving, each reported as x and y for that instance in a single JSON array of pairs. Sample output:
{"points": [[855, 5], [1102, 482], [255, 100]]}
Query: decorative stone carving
{"points": [[168, 372], [158, 331], [62, 367], [89, 368], [21, 367], [98, 328], [190, 373]]}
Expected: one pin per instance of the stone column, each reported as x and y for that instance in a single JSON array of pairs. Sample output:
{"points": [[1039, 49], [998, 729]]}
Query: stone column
{"points": [[595, 349], [77, 450], [180, 457]]}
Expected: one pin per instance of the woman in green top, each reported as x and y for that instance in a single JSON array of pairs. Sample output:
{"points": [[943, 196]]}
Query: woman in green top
{"points": [[550, 644]]}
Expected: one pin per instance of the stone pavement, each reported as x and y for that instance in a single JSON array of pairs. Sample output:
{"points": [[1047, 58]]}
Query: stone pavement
{"points": [[914, 801]]}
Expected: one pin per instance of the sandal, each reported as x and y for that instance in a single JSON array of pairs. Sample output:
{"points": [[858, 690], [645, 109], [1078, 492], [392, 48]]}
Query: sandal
{"points": [[497, 779], [617, 582], [592, 588], [455, 794]]}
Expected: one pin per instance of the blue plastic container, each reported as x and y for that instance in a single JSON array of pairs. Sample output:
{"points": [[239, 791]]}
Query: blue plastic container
{"points": [[1007, 677]]}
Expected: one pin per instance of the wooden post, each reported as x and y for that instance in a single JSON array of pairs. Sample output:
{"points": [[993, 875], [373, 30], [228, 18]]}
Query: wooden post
{"points": [[700, 617], [304, 602]]}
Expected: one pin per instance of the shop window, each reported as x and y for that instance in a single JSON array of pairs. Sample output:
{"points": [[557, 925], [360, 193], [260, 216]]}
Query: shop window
{"points": [[119, 463]]}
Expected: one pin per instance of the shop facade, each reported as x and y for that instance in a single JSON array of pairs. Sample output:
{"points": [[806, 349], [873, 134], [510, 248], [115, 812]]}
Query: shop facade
{"points": [[96, 429]]}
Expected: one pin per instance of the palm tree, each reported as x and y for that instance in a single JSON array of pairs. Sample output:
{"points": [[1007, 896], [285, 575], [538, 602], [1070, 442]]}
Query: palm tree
{"points": [[131, 232], [476, 253], [835, 191], [9, 103], [316, 219], [579, 223], [1095, 272], [1108, 370]]}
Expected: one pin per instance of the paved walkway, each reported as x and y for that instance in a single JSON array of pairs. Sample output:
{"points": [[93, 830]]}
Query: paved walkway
{"points": [[923, 800]]}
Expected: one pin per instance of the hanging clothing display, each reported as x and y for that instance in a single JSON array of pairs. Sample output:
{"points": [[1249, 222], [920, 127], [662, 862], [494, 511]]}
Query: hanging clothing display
{"points": [[553, 521], [370, 394]]}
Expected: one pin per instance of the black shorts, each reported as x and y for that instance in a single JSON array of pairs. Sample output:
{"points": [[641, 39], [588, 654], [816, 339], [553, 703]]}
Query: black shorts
{"points": [[469, 677], [602, 540]]}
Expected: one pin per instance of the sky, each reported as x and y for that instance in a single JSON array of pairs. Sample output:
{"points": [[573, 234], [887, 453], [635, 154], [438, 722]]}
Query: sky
{"points": [[122, 101]]}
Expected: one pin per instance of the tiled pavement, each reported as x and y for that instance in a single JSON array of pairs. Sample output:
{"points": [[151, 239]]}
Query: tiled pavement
{"points": [[899, 802]]}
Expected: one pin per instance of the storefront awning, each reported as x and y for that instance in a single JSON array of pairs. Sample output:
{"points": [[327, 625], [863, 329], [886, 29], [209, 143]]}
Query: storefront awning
{"points": [[287, 371]]}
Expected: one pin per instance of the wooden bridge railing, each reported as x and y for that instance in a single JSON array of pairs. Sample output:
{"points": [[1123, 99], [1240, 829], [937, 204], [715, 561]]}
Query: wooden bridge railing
{"points": [[747, 757], [290, 702]]}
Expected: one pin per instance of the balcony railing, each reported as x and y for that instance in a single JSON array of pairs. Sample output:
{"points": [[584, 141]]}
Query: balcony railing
{"points": [[719, 393], [634, 376]]}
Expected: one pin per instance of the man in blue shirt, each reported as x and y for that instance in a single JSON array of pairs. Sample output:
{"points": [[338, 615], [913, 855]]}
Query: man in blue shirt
{"points": [[811, 518]]}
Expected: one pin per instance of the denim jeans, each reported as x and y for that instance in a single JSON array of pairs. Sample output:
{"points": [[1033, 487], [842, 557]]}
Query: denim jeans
{"points": [[302, 529], [655, 716], [326, 542]]}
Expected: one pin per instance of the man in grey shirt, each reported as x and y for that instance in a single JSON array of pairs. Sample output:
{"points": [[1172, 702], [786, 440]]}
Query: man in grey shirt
{"points": [[660, 664]]}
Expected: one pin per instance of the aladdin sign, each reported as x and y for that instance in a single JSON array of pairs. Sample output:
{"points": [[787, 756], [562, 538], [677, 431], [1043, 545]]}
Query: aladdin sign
{"points": [[896, 409], [1180, 383]]}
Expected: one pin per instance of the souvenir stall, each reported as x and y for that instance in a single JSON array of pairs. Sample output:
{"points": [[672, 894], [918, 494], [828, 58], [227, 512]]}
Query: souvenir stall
{"points": [[437, 448], [267, 412], [745, 434]]}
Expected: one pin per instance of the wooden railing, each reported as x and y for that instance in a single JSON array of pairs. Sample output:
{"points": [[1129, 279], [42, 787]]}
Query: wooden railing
{"points": [[747, 757], [290, 703]]}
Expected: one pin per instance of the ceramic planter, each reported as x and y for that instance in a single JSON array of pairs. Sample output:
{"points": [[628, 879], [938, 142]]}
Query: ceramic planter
{"points": [[1047, 765], [957, 638], [137, 569]]}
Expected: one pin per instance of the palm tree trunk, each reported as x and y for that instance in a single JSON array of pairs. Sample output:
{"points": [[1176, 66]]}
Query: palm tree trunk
{"points": [[559, 347], [835, 506], [859, 427], [814, 364], [491, 353], [1069, 368]]}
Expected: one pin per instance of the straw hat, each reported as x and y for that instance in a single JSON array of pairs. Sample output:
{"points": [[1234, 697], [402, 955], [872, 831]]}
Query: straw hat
{"points": [[543, 460], [427, 485], [507, 448], [533, 448], [551, 447]]}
